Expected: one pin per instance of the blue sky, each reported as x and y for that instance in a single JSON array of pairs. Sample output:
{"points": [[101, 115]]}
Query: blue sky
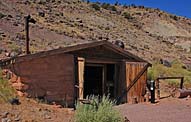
{"points": [[177, 7]]}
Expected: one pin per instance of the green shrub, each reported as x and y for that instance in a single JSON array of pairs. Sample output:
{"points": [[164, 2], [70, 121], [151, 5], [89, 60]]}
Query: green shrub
{"points": [[6, 91], [97, 111], [95, 6]]}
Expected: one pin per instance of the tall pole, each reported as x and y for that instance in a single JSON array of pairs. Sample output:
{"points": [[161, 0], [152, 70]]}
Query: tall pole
{"points": [[27, 33]]}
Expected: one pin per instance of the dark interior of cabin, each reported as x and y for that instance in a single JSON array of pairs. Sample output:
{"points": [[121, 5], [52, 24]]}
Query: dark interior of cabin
{"points": [[93, 80], [99, 80], [110, 79]]}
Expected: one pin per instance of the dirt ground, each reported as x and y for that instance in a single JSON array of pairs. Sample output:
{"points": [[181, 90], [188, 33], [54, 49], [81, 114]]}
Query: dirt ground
{"points": [[31, 111], [167, 110]]}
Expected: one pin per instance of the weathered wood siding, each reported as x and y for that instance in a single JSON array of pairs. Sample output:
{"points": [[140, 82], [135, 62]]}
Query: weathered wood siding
{"points": [[51, 77], [137, 92]]}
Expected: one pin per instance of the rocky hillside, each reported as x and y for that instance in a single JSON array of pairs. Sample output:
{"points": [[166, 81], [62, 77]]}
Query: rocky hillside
{"points": [[149, 33]]}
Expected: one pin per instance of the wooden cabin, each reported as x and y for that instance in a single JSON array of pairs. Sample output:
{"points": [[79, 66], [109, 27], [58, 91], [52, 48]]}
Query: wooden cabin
{"points": [[67, 74]]}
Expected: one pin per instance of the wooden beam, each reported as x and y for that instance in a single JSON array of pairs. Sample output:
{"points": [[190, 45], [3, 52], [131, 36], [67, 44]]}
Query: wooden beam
{"points": [[109, 45], [81, 65], [183, 93], [169, 78], [102, 61], [181, 80]]}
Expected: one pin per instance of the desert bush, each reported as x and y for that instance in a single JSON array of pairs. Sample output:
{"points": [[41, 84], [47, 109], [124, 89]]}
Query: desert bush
{"points": [[2, 15], [113, 8], [42, 2], [105, 5], [95, 6], [6, 91], [174, 17], [108, 7], [98, 111], [127, 15]]}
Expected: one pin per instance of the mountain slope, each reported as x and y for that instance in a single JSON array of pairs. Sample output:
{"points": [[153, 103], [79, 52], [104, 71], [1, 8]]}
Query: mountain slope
{"points": [[149, 33]]}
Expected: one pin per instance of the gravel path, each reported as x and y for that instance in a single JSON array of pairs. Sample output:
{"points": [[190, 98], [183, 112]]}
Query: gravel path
{"points": [[168, 110]]}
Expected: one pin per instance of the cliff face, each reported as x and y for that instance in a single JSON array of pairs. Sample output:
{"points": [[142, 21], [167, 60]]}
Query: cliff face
{"points": [[149, 33]]}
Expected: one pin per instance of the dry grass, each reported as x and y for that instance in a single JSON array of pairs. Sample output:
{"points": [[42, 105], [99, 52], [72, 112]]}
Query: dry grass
{"points": [[6, 91]]}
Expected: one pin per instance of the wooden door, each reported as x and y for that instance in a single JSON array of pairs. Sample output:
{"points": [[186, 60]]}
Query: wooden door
{"points": [[137, 91]]}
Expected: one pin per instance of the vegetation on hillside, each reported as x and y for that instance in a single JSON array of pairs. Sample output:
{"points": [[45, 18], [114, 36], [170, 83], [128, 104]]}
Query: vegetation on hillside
{"points": [[109, 7], [95, 6], [6, 91], [177, 70], [97, 111]]}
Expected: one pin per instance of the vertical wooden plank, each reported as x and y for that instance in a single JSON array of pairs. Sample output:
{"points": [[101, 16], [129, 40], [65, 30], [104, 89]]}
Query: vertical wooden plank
{"points": [[137, 88], [128, 78], [142, 84], [81, 66]]}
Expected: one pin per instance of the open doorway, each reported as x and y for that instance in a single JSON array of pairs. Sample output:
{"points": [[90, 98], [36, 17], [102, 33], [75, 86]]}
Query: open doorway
{"points": [[93, 80], [99, 79]]}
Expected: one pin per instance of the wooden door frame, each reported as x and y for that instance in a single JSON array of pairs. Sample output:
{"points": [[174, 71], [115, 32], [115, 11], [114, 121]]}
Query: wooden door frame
{"points": [[80, 77], [103, 64]]}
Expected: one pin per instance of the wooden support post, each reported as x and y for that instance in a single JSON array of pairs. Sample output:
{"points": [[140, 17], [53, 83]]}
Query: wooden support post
{"points": [[27, 33], [158, 89], [28, 20], [181, 83], [147, 95]]}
